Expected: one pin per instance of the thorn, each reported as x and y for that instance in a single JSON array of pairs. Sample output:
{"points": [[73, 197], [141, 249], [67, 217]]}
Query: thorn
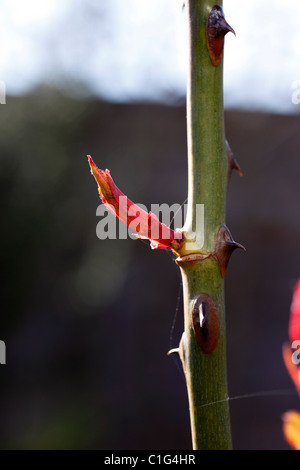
{"points": [[216, 29], [205, 321], [225, 246], [182, 350], [173, 351], [232, 163]]}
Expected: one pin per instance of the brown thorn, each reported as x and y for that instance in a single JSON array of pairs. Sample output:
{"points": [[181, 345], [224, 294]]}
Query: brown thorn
{"points": [[216, 28], [232, 163], [205, 322], [225, 246]]}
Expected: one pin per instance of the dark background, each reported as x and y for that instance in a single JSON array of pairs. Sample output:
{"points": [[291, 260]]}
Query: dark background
{"points": [[88, 323]]}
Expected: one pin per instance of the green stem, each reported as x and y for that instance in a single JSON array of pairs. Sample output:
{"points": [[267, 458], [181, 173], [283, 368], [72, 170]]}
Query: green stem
{"points": [[206, 375]]}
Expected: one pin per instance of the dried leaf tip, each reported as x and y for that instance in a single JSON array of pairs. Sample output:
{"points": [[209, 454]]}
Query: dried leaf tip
{"points": [[225, 246], [216, 28]]}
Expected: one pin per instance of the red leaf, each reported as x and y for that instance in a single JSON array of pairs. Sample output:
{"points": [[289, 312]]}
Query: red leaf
{"points": [[146, 224]]}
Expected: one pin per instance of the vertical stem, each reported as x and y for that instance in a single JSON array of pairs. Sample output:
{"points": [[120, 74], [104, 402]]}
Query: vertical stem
{"points": [[206, 375]]}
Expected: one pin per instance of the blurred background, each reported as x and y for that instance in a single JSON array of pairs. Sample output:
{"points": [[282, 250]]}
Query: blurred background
{"points": [[88, 323]]}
